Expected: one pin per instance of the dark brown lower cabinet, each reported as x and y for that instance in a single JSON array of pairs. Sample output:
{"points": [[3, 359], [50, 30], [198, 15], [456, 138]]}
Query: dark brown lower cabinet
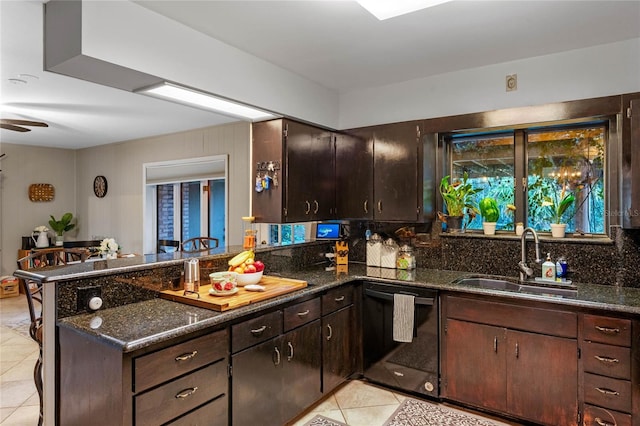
{"points": [[529, 375], [338, 360], [276, 380]]}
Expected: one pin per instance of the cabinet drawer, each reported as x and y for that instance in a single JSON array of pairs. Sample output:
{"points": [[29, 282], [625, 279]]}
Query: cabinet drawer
{"points": [[607, 360], [607, 392], [301, 313], [337, 298], [158, 367], [596, 416], [255, 331], [614, 331], [177, 397], [535, 320], [215, 413]]}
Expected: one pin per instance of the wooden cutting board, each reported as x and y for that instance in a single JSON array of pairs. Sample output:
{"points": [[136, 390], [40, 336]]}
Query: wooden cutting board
{"points": [[274, 286]]}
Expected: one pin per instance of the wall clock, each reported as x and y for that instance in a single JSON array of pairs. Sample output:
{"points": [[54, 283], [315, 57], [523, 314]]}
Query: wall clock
{"points": [[100, 186]]}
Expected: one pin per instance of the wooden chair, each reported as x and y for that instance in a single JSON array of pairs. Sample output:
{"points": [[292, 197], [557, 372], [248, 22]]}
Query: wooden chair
{"points": [[198, 244], [164, 244], [43, 258]]}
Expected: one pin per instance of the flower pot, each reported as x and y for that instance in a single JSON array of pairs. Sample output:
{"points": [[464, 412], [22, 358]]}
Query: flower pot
{"points": [[558, 230], [455, 224], [59, 240], [489, 228]]}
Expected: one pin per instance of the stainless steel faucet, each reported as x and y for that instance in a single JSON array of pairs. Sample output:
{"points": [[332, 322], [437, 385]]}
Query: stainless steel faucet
{"points": [[525, 271]]}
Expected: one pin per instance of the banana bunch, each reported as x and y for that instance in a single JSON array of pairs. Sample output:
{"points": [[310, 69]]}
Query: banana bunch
{"points": [[240, 258]]}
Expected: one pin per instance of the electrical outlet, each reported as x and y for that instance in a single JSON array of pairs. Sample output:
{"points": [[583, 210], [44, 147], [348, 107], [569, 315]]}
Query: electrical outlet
{"points": [[84, 294], [511, 82]]}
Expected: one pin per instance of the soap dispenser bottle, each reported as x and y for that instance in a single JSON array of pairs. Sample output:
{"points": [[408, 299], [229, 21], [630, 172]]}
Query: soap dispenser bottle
{"points": [[549, 269]]}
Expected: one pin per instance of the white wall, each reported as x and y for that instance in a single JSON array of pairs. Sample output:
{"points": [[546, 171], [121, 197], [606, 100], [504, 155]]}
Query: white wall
{"points": [[22, 166], [119, 214], [608, 69]]}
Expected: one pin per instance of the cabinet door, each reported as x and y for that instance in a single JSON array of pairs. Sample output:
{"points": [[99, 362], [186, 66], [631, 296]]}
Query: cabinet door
{"points": [[301, 358], [299, 172], [323, 194], [542, 378], [337, 355], [257, 384], [354, 176], [475, 364], [396, 172]]}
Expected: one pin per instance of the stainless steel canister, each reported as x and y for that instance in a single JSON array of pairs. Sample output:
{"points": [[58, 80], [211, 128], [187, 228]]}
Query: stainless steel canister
{"points": [[192, 275]]}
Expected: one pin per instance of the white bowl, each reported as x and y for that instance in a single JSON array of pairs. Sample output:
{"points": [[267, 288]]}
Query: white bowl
{"points": [[251, 278], [224, 278]]}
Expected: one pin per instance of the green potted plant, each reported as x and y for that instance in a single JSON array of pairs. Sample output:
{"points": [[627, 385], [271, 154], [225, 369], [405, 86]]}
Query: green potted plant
{"points": [[557, 207], [61, 226], [490, 214], [457, 198]]}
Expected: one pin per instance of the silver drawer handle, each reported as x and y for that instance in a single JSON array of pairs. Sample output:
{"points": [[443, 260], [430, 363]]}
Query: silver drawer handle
{"points": [[330, 335], [186, 356], [302, 314], [606, 359], [259, 330], [339, 299], [399, 374], [277, 354], [602, 422], [608, 391], [187, 392], [607, 330], [290, 357]]}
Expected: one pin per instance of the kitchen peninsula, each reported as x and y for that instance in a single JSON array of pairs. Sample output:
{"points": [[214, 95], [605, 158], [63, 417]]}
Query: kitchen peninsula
{"points": [[113, 362]]}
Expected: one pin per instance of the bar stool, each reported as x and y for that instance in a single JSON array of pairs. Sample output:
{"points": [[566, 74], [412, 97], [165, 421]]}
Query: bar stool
{"points": [[198, 244]]}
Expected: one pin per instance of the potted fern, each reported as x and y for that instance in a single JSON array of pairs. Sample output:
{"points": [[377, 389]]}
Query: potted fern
{"points": [[457, 198], [61, 226]]}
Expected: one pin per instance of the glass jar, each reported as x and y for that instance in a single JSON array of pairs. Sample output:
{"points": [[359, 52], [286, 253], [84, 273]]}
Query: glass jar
{"points": [[406, 259]]}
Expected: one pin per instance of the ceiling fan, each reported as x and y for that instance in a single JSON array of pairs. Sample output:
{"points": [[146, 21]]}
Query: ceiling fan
{"points": [[18, 125]]}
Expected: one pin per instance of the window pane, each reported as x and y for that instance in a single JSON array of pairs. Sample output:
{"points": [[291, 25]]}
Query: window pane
{"points": [[287, 234], [563, 163], [217, 210], [488, 161], [298, 234], [190, 210], [165, 212]]}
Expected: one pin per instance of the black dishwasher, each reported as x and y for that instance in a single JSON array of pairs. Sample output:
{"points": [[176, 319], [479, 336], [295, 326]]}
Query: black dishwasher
{"points": [[410, 366]]}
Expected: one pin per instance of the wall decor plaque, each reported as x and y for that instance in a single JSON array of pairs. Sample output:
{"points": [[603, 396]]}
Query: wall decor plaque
{"points": [[41, 192]]}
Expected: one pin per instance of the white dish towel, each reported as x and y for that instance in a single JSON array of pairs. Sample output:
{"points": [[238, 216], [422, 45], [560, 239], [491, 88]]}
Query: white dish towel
{"points": [[403, 306]]}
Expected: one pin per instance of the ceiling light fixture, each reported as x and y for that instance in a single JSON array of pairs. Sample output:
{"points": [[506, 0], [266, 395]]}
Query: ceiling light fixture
{"points": [[385, 9], [183, 95]]}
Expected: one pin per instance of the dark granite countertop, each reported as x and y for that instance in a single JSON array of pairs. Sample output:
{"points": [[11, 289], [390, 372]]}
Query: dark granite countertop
{"points": [[135, 326]]}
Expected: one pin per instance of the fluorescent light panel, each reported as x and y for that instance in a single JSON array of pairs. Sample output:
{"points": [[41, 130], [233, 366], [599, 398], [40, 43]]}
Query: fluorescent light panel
{"points": [[195, 98], [385, 9]]}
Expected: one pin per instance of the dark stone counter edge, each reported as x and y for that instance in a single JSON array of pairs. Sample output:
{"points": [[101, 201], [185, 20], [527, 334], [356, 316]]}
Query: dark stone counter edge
{"points": [[628, 302]]}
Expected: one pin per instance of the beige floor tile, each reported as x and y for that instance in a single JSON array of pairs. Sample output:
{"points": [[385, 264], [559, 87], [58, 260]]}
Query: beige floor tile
{"points": [[6, 412], [15, 352], [369, 416], [15, 393], [23, 370], [358, 394], [328, 404], [34, 399], [7, 365], [23, 416]]}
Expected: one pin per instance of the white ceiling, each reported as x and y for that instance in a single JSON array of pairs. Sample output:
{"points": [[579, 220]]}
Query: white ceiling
{"points": [[335, 43]]}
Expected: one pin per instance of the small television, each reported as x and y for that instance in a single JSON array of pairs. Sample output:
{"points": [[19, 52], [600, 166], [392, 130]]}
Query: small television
{"points": [[328, 231]]}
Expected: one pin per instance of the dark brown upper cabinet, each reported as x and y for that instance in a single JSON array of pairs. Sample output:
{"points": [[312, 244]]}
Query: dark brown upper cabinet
{"points": [[631, 161], [386, 173], [302, 176]]}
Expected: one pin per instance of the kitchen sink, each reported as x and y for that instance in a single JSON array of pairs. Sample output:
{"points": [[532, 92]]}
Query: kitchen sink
{"points": [[501, 284]]}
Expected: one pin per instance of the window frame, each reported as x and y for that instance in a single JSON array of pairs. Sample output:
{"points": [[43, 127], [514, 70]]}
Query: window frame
{"points": [[612, 124]]}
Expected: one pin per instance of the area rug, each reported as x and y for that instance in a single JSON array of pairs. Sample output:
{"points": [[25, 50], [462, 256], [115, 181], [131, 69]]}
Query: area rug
{"points": [[319, 420], [418, 413]]}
